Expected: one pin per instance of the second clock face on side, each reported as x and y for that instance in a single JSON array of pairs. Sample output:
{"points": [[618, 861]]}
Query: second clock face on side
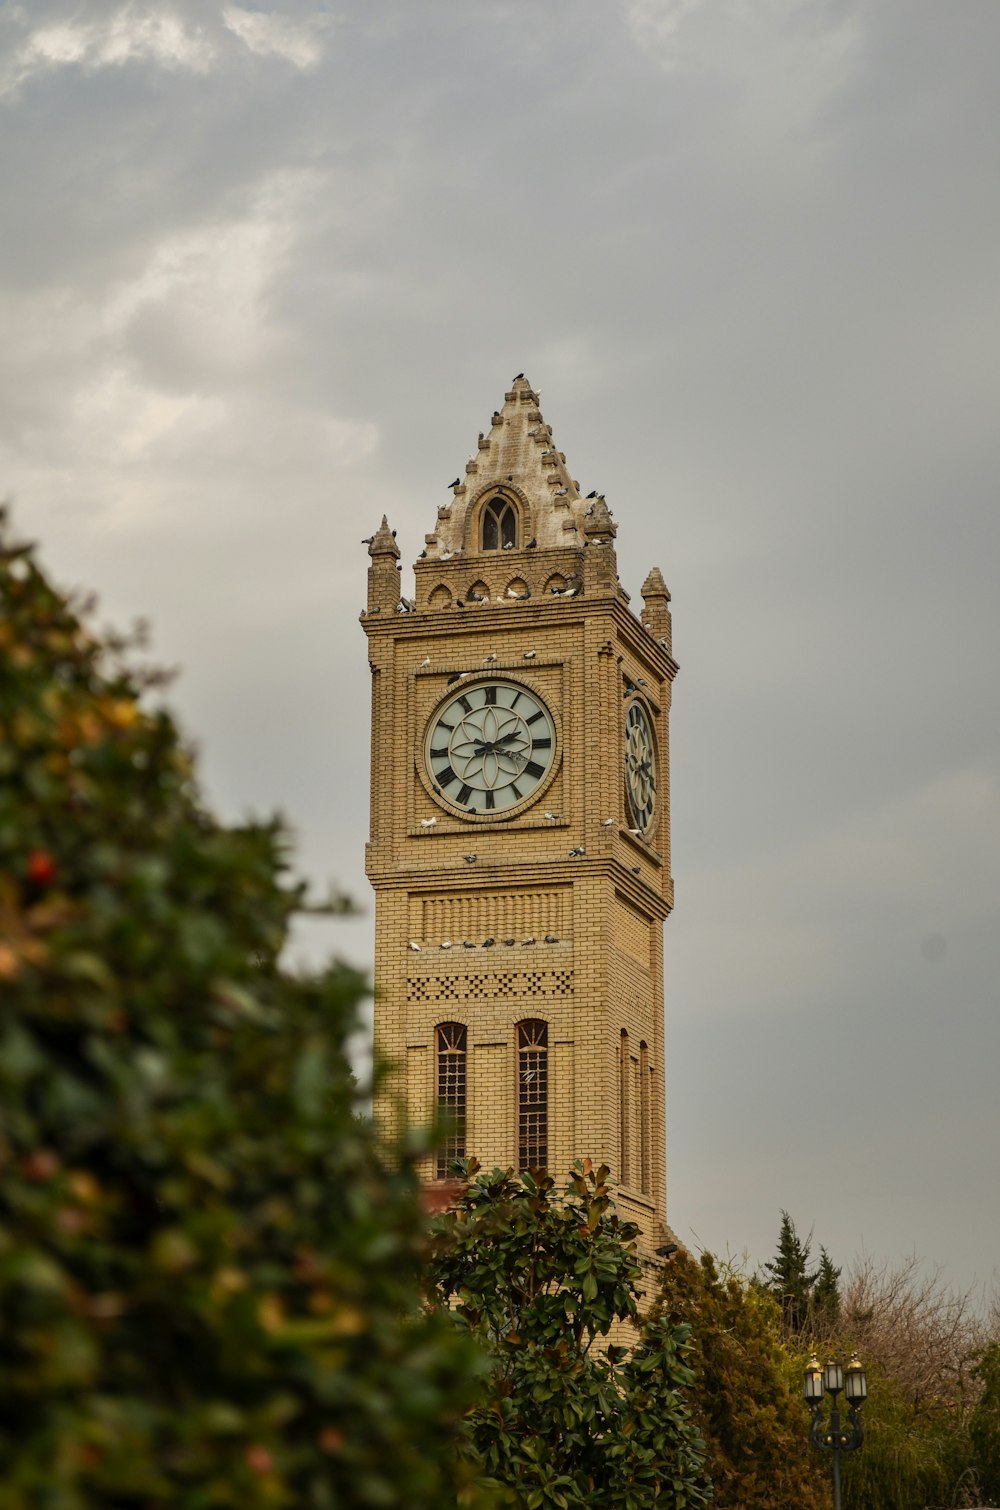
{"points": [[489, 748], [640, 767]]}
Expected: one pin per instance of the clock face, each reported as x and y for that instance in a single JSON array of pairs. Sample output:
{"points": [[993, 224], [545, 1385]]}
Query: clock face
{"points": [[489, 748], [640, 767]]}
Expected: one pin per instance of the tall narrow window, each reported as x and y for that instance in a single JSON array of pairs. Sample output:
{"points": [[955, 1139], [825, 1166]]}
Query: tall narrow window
{"points": [[532, 1094], [623, 1108], [451, 1046], [499, 524], [644, 1130]]}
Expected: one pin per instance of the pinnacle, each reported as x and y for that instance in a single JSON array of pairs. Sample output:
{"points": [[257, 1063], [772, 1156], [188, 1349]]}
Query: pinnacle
{"points": [[383, 542]]}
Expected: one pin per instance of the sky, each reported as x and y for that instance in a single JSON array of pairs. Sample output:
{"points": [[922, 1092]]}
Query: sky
{"points": [[266, 272]]}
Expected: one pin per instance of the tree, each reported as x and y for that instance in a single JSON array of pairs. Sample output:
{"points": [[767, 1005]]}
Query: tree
{"points": [[541, 1280], [747, 1389], [984, 1424], [825, 1297], [790, 1279], [209, 1282]]}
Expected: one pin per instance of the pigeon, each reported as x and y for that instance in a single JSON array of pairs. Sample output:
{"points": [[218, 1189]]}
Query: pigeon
{"points": [[518, 376], [456, 676], [529, 655], [488, 659], [466, 944], [560, 492], [425, 662], [471, 859], [608, 823], [636, 870], [531, 545], [368, 540], [445, 944], [635, 832], [592, 495], [456, 484], [550, 938], [526, 942], [488, 943], [578, 849], [552, 817], [510, 943], [414, 946], [427, 822], [509, 546]]}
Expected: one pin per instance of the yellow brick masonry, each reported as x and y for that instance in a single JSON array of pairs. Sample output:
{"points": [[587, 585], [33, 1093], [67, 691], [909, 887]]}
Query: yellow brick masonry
{"points": [[580, 651]]}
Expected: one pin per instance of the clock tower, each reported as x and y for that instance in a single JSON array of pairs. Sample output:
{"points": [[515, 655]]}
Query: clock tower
{"points": [[520, 823]]}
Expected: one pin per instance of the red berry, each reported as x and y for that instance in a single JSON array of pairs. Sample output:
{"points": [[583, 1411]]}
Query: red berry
{"points": [[41, 868]]}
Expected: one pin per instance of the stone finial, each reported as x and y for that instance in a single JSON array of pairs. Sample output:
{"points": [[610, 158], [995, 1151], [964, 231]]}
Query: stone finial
{"points": [[597, 519], [383, 542], [383, 574], [655, 612]]}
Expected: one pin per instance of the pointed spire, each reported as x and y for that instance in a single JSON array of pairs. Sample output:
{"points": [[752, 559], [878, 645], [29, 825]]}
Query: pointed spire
{"points": [[597, 519], [655, 612], [515, 459], [383, 542]]}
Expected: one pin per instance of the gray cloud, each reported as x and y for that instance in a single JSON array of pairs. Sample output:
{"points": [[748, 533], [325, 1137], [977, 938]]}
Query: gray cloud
{"points": [[268, 273]]}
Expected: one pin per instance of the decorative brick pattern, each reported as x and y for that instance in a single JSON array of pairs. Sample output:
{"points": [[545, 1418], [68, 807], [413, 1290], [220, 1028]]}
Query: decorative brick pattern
{"points": [[632, 931], [515, 983], [507, 914]]}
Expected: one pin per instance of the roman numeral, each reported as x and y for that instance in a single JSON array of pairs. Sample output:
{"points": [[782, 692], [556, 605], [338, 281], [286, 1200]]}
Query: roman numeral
{"points": [[463, 702], [534, 769], [490, 800], [541, 744], [491, 697], [514, 791], [464, 793], [443, 725], [447, 776], [534, 717], [438, 753], [517, 699]]}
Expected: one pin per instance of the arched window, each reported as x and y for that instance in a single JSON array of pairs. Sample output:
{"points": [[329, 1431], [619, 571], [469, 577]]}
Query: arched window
{"points": [[645, 1150], [532, 1094], [451, 1045], [499, 524], [624, 1109]]}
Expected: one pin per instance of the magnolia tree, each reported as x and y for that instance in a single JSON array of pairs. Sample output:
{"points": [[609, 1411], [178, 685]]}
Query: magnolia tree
{"points": [[541, 1278]]}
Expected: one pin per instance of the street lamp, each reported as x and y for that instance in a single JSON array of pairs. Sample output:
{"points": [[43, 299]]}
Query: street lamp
{"points": [[831, 1434]]}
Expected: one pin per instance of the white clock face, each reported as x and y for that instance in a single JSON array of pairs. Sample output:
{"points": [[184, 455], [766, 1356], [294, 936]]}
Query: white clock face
{"points": [[489, 748], [640, 767]]}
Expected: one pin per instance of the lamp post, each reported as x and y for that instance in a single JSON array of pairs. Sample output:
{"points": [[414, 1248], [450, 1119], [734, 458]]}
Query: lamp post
{"points": [[831, 1434]]}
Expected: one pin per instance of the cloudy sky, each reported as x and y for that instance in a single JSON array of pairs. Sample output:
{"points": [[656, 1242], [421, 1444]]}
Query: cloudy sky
{"points": [[265, 272]]}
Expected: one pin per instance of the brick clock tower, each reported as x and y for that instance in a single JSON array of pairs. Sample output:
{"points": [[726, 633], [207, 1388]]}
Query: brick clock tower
{"points": [[520, 824]]}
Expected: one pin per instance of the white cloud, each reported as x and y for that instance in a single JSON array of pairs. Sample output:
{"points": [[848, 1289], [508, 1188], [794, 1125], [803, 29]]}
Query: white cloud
{"points": [[266, 32], [155, 35]]}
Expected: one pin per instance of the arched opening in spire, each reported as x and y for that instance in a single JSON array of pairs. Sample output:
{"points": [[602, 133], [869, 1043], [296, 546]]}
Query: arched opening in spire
{"points": [[498, 530]]}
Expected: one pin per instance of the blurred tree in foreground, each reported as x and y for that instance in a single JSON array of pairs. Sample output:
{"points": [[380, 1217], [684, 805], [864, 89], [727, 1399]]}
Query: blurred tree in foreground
{"points": [[209, 1290], [566, 1420]]}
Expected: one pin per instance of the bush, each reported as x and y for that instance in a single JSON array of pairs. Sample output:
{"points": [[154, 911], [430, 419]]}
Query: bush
{"points": [[209, 1283]]}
